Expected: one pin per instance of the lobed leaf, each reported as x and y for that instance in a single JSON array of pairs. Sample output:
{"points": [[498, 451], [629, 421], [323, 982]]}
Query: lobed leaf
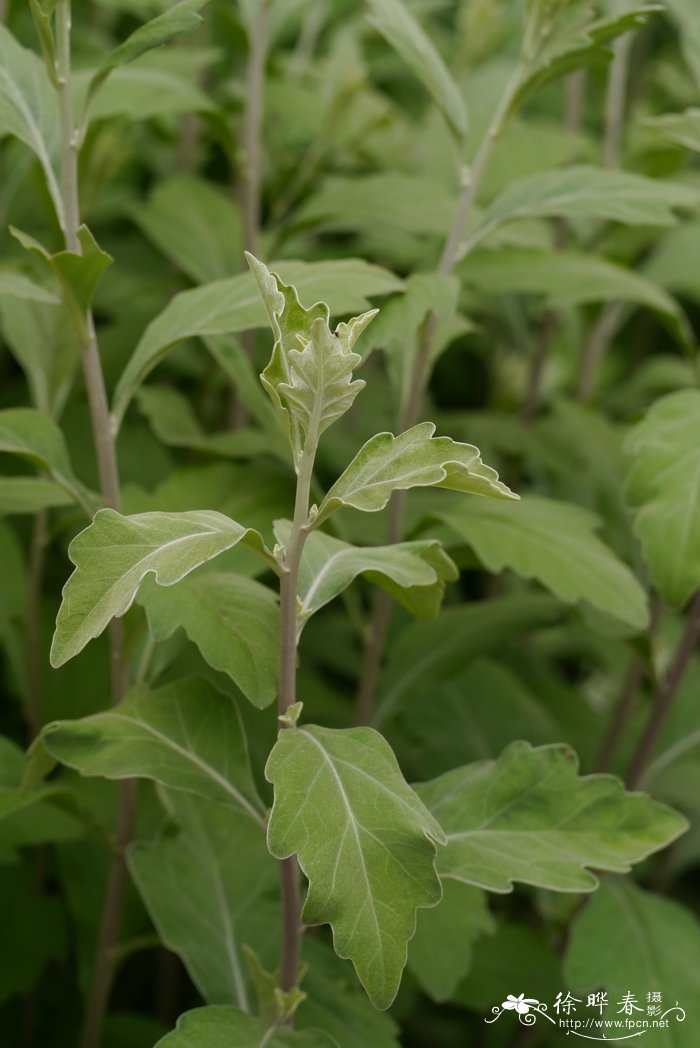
{"points": [[224, 1027], [555, 543], [363, 839], [529, 817], [114, 555], [414, 459]]}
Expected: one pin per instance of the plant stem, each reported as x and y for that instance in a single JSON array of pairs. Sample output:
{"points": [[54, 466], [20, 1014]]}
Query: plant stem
{"points": [[665, 694], [452, 253], [608, 320], [289, 584], [105, 452], [37, 559], [251, 173]]}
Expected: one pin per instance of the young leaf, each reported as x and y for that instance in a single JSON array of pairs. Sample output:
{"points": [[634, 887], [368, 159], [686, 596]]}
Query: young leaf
{"points": [[663, 487], [309, 377], [229, 306], [224, 1027], [414, 459], [413, 572], [626, 937], [585, 192], [115, 553], [233, 620], [441, 952], [529, 817], [77, 273], [555, 543], [186, 735], [179, 18], [682, 129], [28, 109], [206, 889], [33, 436], [336, 794], [396, 23]]}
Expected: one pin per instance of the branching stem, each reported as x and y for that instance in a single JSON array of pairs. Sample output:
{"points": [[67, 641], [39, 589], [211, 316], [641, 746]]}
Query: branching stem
{"points": [[453, 252]]}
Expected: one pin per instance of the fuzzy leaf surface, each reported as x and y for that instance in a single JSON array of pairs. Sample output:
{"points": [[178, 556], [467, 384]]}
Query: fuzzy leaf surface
{"points": [[206, 889], [309, 376], [114, 555], [663, 487], [413, 459], [229, 306], [626, 937], [530, 817], [555, 543], [364, 840], [233, 620], [217, 1027], [186, 735], [413, 572]]}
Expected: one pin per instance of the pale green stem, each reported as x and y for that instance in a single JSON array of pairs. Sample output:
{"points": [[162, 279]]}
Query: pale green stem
{"points": [[454, 250], [289, 585], [105, 452]]}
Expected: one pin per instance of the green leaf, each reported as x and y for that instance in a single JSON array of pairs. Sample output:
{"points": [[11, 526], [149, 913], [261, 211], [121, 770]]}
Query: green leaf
{"points": [[336, 792], [413, 572], [663, 487], [309, 376], [429, 651], [414, 459], [115, 553], [225, 1027], [628, 939], [529, 817], [401, 201], [186, 735], [16, 285], [585, 192], [209, 890], [195, 226], [229, 306], [44, 342], [78, 274], [565, 278], [441, 952], [179, 18], [35, 924], [29, 110], [33, 436], [396, 23], [174, 422], [577, 38], [683, 129], [30, 494], [234, 621], [684, 14], [555, 543]]}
